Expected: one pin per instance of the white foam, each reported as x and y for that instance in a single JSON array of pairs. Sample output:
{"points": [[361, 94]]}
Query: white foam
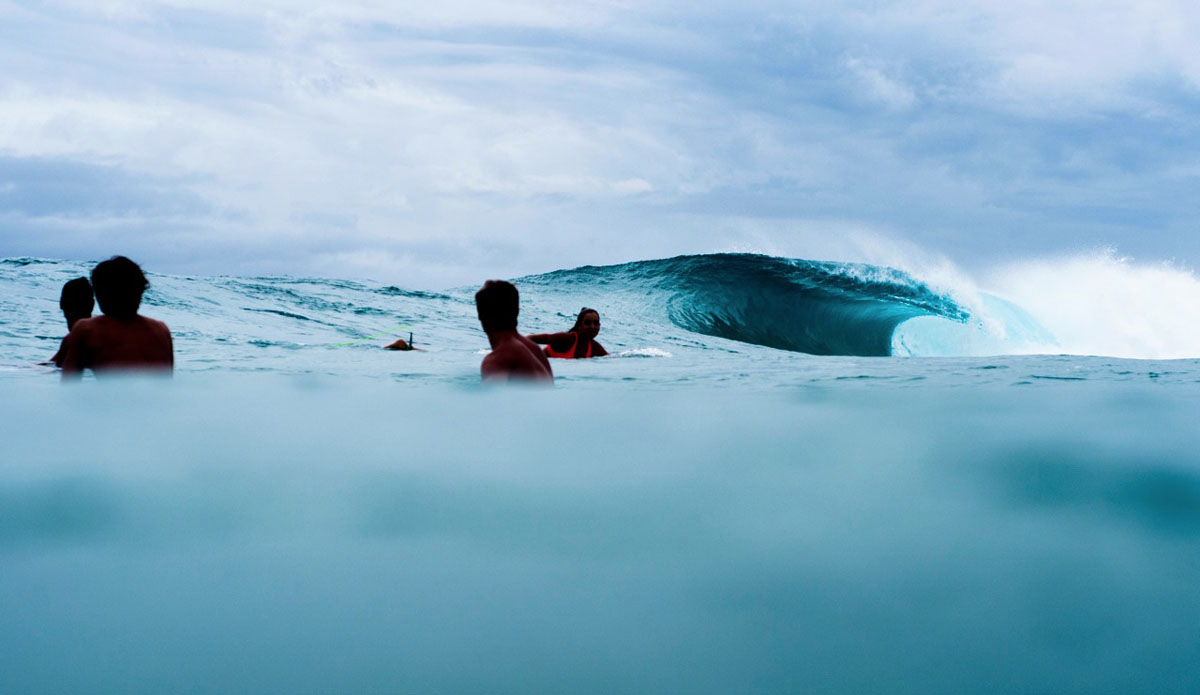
{"points": [[644, 352], [1091, 303], [1100, 303]]}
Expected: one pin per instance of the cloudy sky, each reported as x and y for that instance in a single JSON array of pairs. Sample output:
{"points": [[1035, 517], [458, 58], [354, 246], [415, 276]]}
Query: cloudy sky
{"points": [[434, 144]]}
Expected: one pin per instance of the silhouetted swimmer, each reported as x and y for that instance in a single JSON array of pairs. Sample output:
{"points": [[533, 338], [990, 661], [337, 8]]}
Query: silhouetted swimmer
{"points": [[76, 303], [513, 356], [577, 343], [121, 339]]}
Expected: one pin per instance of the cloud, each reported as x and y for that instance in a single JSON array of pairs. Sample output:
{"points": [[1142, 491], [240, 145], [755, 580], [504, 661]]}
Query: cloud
{"points": [[1041, 58], [40, 187], [362, 137], [878, 86]]}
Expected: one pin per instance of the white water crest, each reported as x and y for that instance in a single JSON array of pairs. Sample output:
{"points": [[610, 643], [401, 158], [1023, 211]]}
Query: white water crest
{"points": [[1105, 304], [1097, 303]]}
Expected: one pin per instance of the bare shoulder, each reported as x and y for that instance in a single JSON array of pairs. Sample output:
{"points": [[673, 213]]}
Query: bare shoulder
{"points": [[83, 332], [503, 363], [492, 367], [538, 356], [83, 326], [156, 325], [507, 354], [518, 358]]}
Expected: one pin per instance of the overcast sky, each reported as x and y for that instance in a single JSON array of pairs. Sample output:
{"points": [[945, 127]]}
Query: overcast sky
{"points": [[435, 144]]}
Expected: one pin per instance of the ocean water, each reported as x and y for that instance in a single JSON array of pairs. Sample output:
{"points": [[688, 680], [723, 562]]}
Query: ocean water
{"points": [[790, 477]]}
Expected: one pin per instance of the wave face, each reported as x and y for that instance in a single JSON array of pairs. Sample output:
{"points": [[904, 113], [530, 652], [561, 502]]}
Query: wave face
{"points": [[813, 307]]}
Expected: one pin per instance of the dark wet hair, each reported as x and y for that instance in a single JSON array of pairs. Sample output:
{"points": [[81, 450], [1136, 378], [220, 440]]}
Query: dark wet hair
{"points": [[498, 303], [579, 319], [76, 298], [119, 284]]}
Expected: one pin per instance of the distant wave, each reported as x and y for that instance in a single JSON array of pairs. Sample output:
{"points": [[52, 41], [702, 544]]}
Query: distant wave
{"points": [[21, 262], [803, 306], [393, 291], [277, 312]]}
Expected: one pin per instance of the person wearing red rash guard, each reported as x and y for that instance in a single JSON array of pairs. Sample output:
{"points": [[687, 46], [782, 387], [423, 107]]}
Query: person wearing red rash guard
{"points": [[577, 343]]}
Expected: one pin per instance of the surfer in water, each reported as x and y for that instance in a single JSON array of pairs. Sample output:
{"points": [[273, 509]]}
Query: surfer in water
{"points": [[402, 345], [76, 303], [121, 339], [577, 343], [513, 356]]}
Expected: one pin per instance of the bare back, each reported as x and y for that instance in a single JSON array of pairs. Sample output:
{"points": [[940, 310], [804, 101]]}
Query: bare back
{"points": [[104, 343], [514, 356]]}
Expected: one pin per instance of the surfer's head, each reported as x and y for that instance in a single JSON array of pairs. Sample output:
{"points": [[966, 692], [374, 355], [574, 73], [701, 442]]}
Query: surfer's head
{"points": [[498, 303], [587, 324], [119, 284], [76, 300]]}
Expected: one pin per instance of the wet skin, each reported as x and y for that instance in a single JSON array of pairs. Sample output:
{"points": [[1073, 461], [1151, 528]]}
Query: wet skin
{"points": [[105, 344], [514, 357]]}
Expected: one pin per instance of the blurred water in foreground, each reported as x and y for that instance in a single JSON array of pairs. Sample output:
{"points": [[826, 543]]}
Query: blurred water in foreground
{"points": [[304, 535]]}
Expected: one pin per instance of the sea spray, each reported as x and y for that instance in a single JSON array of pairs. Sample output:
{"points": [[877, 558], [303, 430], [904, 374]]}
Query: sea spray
{"points": [[1101, 303]]}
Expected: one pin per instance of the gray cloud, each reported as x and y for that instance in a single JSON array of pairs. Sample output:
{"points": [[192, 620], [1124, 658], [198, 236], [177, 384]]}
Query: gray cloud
{"points": [[450, 142], [35, 187]]}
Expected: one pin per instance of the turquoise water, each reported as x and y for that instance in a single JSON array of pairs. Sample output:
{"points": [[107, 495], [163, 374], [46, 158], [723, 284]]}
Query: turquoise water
{"points": [[697, 514]]}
